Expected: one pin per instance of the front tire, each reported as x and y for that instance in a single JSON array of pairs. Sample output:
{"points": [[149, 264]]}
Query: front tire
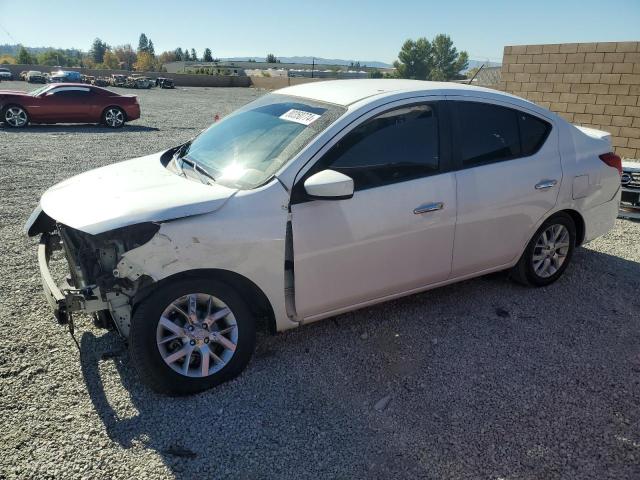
{"points": [[114, 117], [191, 335], [14, 116], [548, 253]]}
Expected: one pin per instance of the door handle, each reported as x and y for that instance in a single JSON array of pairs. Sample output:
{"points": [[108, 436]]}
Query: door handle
{"points": [[544, 184], [428, 207]]}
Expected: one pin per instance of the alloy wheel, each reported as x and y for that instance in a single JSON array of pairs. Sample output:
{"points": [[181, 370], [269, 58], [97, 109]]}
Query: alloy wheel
{"points": [[551, 250], [114, 117], [15, 117], [197, 335]]}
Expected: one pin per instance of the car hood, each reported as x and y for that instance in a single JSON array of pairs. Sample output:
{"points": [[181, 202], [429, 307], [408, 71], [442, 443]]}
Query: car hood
{"points": [[13, 92], [126, 193]]}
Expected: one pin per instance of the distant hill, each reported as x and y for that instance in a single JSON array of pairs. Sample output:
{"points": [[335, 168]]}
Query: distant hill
{"points": [[308, 60], [7, 49], [478, 63]]}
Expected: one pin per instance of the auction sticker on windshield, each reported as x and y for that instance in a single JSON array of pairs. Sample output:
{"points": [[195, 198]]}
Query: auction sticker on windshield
{"points": [[300, 116]]}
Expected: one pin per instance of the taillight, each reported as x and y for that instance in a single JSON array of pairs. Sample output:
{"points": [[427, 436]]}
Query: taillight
{"points": [[612, 160]]}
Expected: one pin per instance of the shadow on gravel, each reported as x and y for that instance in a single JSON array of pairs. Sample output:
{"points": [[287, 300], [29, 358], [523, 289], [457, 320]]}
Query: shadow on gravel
{"points": [[64, 129], [486, 379]]}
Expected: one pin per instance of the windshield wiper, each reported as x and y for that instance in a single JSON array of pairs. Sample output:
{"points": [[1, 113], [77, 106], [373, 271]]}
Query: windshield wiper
{"points": [[199, 169]]}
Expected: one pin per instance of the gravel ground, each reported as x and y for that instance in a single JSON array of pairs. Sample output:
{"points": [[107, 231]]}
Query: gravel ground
{"points": [[483, 379]]}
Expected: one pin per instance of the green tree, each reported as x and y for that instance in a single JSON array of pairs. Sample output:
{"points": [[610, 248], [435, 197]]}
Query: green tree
{"points": [[110, 60], [150, 49], [207, 57], [375, 73], [186, 56], [145, 62], [143, 43], [56, 57], [436, 60], [414, 60], [166, 57], [98, 47], [23, 57], [271, 58], [125, 56], [194, 57], [447, 62], [179, 54]]}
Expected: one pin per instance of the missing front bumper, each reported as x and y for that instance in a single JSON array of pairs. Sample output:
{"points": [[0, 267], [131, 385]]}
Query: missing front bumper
{"points": [[65, 300]]}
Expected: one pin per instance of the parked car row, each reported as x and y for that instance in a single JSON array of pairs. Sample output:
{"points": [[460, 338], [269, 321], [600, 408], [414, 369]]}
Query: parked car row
{"points": [[114, 80]]}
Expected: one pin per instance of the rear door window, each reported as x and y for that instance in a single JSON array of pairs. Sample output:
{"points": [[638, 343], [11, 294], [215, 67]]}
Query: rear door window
{"points": [[487, 133]]}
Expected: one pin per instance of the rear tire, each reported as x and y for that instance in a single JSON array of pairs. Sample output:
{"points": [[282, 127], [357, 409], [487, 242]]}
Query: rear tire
{"points": [[168, 352], [114, 117], [548, 254]]}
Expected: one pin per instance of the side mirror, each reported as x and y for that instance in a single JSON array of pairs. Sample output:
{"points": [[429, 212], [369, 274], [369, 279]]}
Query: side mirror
{"points": [[329, 185]]}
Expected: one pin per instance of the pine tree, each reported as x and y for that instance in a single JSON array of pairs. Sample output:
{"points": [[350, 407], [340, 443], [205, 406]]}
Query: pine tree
{"points": [[143, 43]]}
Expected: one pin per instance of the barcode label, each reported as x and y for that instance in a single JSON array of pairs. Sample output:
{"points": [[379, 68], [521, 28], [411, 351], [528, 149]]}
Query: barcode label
{"points": [[300, 116]]}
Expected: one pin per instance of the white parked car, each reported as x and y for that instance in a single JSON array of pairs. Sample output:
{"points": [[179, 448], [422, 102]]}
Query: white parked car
{"points": [[5, 74], [316, 200]]}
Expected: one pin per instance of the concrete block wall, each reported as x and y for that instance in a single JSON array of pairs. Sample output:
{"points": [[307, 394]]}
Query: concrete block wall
{"points": [[274, 83], [590, 84]]}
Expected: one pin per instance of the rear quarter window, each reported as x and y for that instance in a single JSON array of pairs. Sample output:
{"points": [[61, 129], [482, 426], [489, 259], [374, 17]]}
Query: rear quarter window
{"points": [[533, 133]]}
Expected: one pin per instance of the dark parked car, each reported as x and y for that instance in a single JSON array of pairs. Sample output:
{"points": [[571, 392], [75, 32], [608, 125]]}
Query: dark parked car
{"points": [[163, 82], [67, 103]]}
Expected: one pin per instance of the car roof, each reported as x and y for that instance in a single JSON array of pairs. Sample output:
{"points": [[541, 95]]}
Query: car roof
{"points": [[347, 92]]}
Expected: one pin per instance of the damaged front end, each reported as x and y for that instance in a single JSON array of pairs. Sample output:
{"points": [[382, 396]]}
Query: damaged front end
{"points": [[92, 285]]}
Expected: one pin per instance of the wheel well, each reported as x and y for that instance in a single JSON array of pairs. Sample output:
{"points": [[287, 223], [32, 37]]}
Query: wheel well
{"points": [[579, 222], [7, 105], [116, 106], [252, 294]]}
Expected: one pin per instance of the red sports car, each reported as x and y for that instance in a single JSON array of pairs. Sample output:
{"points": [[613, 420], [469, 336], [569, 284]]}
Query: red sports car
{"points": [[67, 103]]}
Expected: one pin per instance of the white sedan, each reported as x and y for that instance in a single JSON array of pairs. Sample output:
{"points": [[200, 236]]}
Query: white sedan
{"points": [[316, 200]]}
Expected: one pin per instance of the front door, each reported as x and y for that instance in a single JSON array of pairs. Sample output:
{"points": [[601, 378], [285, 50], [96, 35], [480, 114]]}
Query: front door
{"points": [[66, 104], [396, 233], [508, 179]]}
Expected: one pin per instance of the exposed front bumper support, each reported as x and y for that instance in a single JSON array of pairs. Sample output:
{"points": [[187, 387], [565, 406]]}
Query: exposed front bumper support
{"points": [[66, 300]]}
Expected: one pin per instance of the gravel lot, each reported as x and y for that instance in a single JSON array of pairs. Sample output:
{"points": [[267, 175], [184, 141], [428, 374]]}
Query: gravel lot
{"points": [[483, 379]]}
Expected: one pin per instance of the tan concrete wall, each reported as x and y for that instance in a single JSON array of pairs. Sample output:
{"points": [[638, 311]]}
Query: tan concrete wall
{"points": [[181, 80], [590, 84], [274, 83]]}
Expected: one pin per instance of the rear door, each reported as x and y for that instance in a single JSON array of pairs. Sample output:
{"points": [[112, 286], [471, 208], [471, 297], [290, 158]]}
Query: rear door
{"points": [[508, 178], [396, 233]]}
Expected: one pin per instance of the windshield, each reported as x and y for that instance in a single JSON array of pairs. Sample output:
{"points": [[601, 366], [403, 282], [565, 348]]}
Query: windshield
{"points": [[38, 91], [246, 148]]}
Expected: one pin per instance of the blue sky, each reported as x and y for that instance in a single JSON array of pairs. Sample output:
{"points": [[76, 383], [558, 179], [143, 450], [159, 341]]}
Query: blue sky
{"points": [[359, 30]]}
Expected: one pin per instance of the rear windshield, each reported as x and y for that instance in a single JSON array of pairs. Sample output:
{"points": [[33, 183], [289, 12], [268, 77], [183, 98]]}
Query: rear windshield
{"points": [[246, 148]]}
